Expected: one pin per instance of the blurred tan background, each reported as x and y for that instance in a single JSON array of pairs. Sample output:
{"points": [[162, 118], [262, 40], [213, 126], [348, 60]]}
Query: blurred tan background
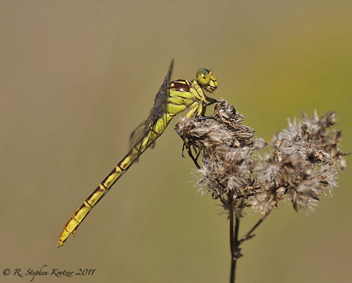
{"points": [[78, 76]]}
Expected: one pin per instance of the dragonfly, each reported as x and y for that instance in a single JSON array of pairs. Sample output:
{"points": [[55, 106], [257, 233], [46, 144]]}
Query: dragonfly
{"points": [[172, 98]]}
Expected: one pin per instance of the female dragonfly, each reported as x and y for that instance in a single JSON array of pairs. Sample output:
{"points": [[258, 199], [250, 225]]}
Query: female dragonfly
{"points": [[171, 99]]}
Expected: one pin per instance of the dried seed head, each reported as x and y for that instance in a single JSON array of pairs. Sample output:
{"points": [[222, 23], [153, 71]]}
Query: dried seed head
{"points": [[302, 163]]}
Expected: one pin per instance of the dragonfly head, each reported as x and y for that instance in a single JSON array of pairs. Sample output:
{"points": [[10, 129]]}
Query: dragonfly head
{"points": [[207, 79]]}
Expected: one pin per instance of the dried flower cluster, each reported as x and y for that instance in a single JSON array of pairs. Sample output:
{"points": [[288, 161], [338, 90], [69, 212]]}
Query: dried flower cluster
{"points": [[301, 162]]}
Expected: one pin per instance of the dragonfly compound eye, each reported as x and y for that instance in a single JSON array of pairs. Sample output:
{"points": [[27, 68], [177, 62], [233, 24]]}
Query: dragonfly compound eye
{"points": [[203, 77], [207, 80]]}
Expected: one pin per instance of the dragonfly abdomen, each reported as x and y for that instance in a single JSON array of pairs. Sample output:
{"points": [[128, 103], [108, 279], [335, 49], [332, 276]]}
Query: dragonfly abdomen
{"points": [[81, 213]]}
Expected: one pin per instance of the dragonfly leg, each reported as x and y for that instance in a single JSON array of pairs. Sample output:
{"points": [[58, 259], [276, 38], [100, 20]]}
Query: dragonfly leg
{"points": [[211, 101]]}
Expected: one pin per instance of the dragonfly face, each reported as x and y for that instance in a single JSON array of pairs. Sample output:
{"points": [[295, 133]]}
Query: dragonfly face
{"points": [[207, 80], [171, 99]]}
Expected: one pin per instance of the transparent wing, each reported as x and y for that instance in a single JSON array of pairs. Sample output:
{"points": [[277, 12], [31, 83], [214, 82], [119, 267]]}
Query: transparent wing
{"points": [[158, 109], [162, 93]]}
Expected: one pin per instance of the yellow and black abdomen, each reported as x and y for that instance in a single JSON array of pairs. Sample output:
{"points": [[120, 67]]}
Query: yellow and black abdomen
{"points": [[155, 130]]}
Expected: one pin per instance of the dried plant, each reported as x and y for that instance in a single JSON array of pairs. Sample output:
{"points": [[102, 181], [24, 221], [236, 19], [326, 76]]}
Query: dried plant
{"points": [[299, 164]]}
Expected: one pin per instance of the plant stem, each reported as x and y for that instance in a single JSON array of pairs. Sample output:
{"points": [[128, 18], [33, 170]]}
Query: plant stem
{"points": [[234, 243], [248, 235]]}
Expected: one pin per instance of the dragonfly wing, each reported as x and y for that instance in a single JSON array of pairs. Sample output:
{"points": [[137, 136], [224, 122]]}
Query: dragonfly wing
{"points": [[143, 129], [137, 134], [161, 96], [168, 77]]}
